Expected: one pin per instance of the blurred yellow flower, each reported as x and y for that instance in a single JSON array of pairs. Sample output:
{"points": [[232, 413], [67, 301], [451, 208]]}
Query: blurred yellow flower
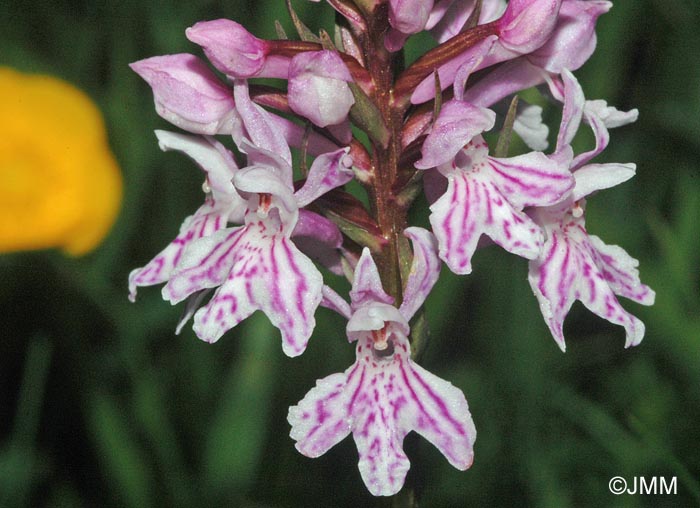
{"points": [[59, 183]]}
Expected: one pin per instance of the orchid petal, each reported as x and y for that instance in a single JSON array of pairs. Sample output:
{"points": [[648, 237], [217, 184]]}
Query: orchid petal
{"points": [[275, 164], [527, 24], [425, 269], [210, 155], [205, 264], [620, 271], [409, 16], [259, 124], [506, 79], [374, 317], [529, 126], [367, 286], [188, 94], [572, 113], [594, 177], [425, 90], [268, 273], [318, 87], [449, 16], [573, 40], [319, 420], [463, 74], [230, 47], [260, 181], [455, 126], [472, 206], [327, 172], [206, 221], [567, 271], [601, 117], [297, 136], [531, 179], [332, 300], [610, 116]]}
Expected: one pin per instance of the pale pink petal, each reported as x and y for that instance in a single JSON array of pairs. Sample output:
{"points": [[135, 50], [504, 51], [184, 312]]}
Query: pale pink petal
{"points": [[267, 273], [425, 269], [572, 113], [319, 421], [409, 16], [527, 24], [296, 136], [205, 264], [374, 316], [230, 47], [595, 177], [601, 117], [221, 206], [567, 271], [531, 179], [260, 126], [473, 206], [206, 221], [332, 300], [425, 91], [573, 40], [455, 126], [609, 115], [211, 156], [449, 16], [263, 180], [276, 165], [440, 414], [318, 88], [367, 286], [619, 269], [529, 126], [504, 80], [188, 94], [327, 172], [554, 278], [463, 74]]}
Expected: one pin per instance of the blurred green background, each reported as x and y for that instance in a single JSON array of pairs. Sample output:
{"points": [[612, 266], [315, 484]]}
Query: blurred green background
{"points": [[102, 405]]}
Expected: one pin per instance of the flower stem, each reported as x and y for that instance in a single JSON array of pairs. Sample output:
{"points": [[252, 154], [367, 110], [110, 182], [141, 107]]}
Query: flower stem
{"points": [[390, 217]]}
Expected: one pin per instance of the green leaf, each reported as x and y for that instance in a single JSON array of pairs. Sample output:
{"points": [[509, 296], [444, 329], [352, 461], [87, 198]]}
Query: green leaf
{"points": [[236, 437], [365, 115], [119, 452], [507, 130], [304, 32]]}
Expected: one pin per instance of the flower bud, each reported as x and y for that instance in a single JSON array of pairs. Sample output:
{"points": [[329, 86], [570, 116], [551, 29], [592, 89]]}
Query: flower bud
{"points": [[186, 92], [573, 39], [527, 24], [409, 16], [318, 89], [231, 48]]}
